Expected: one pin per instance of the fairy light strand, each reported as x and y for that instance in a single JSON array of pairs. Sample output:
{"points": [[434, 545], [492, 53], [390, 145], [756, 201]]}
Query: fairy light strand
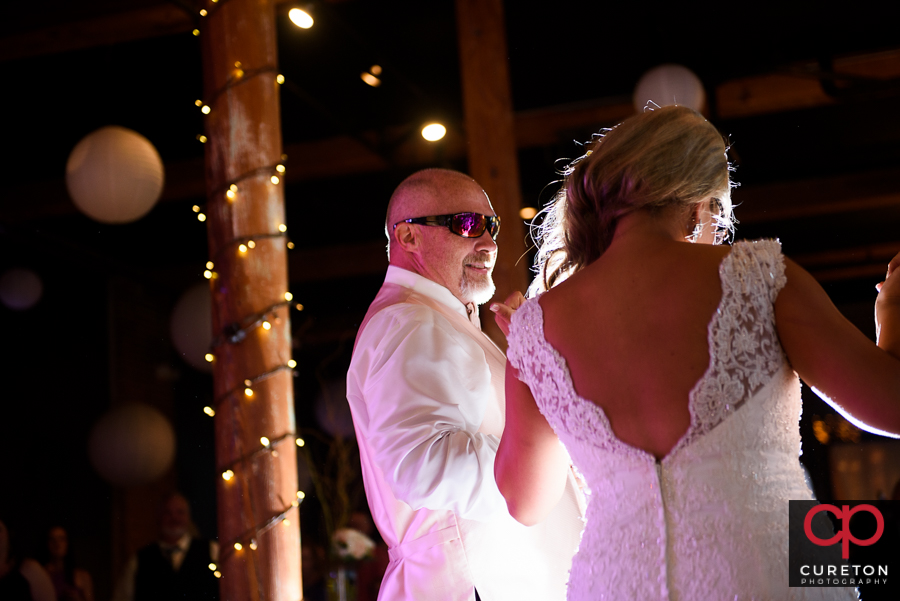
{"points": [[249, 382], [250, 535]]}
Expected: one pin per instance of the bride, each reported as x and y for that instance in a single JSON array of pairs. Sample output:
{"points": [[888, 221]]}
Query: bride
{"points": [[667, 369]]}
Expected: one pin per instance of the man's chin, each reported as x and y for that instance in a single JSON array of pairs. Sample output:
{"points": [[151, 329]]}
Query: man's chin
{"points": [[479, 293]]}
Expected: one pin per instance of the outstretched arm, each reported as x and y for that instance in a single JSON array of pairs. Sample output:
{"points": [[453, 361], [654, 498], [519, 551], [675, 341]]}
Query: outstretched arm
{"points": [[531, 466], [858, 378]]}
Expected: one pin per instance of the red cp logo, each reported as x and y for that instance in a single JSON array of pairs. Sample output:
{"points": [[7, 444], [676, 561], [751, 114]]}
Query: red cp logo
{"points": [[844, 514]]}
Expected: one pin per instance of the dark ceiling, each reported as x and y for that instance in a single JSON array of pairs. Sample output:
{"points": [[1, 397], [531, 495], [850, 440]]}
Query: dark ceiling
{"points": [[807, 92]]}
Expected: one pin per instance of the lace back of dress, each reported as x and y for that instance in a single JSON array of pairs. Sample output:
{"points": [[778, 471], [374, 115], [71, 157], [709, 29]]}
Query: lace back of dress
{"points": [[743, 341]]}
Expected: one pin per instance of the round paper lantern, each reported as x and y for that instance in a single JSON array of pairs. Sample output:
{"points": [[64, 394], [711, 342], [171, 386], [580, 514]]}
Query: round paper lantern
{"points": [[20, 289], [132, 444], [191, 326], [114, 175], [669, 84], [333, 410]]}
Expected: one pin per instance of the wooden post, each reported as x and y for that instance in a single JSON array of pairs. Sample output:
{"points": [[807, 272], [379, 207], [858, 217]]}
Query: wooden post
{"points": [[252, 380], [493, 162]]}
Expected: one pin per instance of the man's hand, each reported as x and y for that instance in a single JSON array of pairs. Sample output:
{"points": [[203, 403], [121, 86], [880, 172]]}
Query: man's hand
{"points": [[503, 312]]}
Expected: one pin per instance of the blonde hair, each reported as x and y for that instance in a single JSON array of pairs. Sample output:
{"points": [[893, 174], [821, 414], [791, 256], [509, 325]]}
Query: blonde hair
{"points": [[661, 158]]}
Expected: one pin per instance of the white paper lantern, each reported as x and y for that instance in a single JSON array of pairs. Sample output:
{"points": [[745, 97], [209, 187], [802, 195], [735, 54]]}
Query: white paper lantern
{"points": [[114, 175], [132, 444], [191, 326], [20, 289], [333, 410], [669, 84]]}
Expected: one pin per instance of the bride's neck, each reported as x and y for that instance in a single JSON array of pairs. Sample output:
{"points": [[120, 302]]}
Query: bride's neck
{"points": [[643, 227]]}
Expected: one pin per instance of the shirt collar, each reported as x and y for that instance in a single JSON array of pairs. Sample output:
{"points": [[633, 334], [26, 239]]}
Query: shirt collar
{"points": [[422, 285], [181, 544]]}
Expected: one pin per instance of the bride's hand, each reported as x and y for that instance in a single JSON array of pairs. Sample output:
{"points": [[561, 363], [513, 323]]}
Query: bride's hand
{"points": [[503, 312], [888, 300]]}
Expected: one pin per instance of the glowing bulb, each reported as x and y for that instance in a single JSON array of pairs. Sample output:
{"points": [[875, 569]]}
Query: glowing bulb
{"points": [[264, 441], [290, 244], [205, 109], [253, 545], [266, 325], [242, 248], [217, 574], [527, 212], [233, 187], [248, 392], [279, 78], [238, 73], [212, 567], [286, 522], [230, 195], [301, 494], [209, 265], [279, 168], [292, 364], [301, 18], [209, 411], [282, 228], [248, 383], [201, 217], [203, 12], [202, 138], [196, 208], [375, 69], [298, 306], [207, 274], [227, 475], [295, 503], [198, 103], [370, 79], [196, 32], [434, 132], [274, 179], [288, 296], [238, 546], [300, 443], [251, 244], [209, 357]]}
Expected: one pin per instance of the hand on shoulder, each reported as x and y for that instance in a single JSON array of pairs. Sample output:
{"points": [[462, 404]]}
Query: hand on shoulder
{"points": [[503, 312]]}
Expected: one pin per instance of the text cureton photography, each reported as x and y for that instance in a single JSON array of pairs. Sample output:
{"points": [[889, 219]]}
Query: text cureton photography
{"points": [[844, 543]]}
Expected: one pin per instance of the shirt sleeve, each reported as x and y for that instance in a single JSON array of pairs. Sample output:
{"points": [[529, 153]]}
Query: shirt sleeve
{"points": [[424, 387]]}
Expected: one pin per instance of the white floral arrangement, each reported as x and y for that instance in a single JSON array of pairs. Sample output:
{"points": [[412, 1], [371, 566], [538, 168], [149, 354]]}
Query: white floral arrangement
{"points": [[349, 543]]}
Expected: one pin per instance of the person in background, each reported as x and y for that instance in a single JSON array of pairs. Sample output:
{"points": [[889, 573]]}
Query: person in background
{"points": [[21, 579], [176, 565], [71, 583]]}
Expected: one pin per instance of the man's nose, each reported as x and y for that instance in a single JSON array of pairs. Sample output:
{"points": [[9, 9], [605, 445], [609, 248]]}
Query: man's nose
{"points": [[484, 242]]}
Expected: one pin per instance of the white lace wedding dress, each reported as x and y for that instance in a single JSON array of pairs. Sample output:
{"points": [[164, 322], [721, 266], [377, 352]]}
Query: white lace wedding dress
{"points": [[710, 520]]}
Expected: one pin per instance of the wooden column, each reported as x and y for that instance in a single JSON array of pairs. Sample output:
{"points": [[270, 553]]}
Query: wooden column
{"points": [[493, 162], [244, 147]]}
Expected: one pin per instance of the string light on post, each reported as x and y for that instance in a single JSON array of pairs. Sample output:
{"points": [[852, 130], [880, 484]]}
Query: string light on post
{"points": [[300, 18], [434, 132]]}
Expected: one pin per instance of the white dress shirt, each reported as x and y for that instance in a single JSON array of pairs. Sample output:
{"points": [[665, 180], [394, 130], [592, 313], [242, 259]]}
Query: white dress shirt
{"points": [[426, 389]]}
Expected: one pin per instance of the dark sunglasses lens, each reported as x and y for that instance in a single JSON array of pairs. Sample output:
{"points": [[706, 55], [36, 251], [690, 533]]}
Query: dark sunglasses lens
{"points": [[468, 225], [494, 226]]}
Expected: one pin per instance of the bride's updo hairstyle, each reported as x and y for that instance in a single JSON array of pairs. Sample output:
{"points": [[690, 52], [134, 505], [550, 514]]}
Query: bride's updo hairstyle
{"points": [[659, 159]]}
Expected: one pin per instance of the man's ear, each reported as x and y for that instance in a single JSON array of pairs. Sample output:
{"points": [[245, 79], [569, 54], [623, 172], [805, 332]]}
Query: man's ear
{"points": [[407, 237]]}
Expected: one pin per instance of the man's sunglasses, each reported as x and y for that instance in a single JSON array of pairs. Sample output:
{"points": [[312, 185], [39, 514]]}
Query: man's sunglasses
{"points": [[467, 225]]}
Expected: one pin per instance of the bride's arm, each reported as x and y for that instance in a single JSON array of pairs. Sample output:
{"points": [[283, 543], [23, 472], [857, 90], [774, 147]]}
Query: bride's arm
{"points": [[531, 465], [858, 378]]}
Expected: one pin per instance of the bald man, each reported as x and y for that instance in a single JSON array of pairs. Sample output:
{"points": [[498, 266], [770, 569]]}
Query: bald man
{"points": [[426, 388]]}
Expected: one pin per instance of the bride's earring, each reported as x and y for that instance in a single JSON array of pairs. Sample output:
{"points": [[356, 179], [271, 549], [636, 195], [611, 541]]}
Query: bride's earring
{"points": [[694, 227]]}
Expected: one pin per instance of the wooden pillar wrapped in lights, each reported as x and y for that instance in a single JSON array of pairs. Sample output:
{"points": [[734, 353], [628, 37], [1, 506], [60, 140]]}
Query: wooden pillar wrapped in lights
{"points": [[491, 138], [258, 515]]}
